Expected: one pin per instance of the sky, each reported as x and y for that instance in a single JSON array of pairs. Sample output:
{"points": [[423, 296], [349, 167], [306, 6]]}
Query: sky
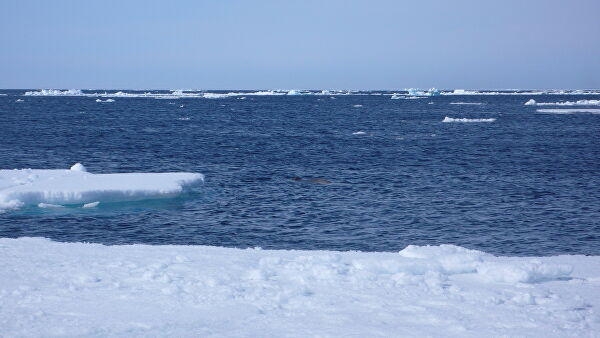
{"points": [[275, 44]]}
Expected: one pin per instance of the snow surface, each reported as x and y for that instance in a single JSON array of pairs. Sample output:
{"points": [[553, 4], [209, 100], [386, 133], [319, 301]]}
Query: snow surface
{"points": [[56, 187], [465, 120], [76, 289]]}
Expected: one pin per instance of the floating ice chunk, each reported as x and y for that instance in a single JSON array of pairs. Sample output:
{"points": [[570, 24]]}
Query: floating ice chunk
{"points": [[48, 205], [417, 92], [107, 100], [91, 205], [78, 167], [569, 111], [357, 105], [451, 119], [19, 100], [360, 132], [54, 92], [564, 103], [76, 186], [467, 103]]}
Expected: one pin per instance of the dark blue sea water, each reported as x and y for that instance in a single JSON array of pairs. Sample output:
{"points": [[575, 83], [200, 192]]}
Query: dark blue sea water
{"points": [[289, 172]]}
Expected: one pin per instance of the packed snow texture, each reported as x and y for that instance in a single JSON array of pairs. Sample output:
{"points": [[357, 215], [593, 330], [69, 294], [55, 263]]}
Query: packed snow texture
{"points": [[75, 289], [532, 102], [465, 120], [56, 187]]}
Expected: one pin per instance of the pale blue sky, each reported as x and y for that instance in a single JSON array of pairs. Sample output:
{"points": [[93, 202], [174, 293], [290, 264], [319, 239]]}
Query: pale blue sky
{"points": [[300, 44]]}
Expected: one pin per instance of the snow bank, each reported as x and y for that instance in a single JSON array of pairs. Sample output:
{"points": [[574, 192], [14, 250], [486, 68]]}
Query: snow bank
{"points": [[465, 120], [75, 289], [49, 187]]}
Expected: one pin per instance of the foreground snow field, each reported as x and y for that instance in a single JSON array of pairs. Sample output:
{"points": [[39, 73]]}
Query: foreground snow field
{"points": [[73, 289]]}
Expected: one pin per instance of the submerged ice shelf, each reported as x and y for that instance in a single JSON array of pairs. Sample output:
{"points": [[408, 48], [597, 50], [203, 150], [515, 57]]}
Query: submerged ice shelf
{"points": [[77, 289], [56, 187]]}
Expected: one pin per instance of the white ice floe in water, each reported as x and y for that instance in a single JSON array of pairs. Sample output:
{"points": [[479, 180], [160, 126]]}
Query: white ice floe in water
{"points": [[532, 102], [91, 205], [465, 120], [54, 92], [522, 92], [417, 92], [360, 132], [569, 111], [357, 105], [76, 289], [48, 205], [44, 187], [467, 103], [107, 100]]}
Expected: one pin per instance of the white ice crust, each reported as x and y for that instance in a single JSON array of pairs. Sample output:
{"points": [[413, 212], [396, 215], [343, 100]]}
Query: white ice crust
{"points": [[466, 120], [75, 289], [569, 111], [51, 187], [532, 102]]}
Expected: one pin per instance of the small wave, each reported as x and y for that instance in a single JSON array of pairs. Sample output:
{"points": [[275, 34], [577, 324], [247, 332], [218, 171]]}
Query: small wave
{"points": [[465, 120], [569, 111], [467, 103]]}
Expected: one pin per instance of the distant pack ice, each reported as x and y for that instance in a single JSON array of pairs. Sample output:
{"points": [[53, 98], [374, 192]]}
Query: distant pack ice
{"points": [[77, 186]]}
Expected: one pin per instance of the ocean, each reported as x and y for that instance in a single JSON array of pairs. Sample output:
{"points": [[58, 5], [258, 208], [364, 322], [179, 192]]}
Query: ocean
{"points": [[368, 171]]}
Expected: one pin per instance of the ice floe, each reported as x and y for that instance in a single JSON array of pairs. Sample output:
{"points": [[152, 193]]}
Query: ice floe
{"points": [[466, 120], [570, 111], [80, 289], [418, 92], [45, 187], [532, 102], [467, 103], [201, 94]]}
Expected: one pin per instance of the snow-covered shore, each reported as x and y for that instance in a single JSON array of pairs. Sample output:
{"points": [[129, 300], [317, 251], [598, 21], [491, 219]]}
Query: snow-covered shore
{"points": [[75, 289]]}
